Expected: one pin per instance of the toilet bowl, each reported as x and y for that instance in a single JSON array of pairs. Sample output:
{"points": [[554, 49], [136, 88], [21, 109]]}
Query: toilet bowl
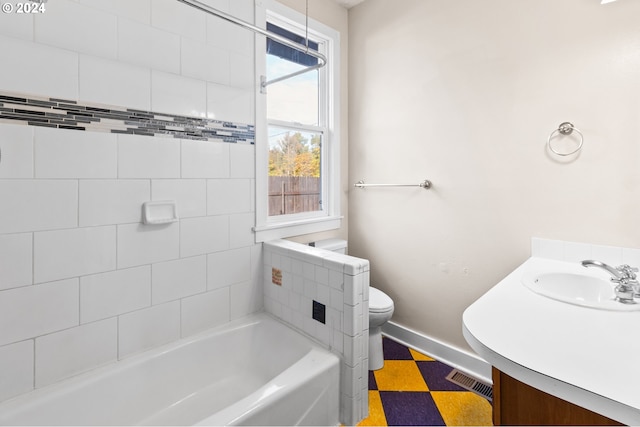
{"points": [[380, 311], [380, 308]]}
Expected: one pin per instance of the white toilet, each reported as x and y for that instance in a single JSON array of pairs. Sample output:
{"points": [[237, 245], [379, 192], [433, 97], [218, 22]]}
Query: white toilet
{"points": [[380, 311], [380, 308]]}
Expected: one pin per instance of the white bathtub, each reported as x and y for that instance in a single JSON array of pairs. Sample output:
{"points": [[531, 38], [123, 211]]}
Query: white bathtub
{"points": [[254, 371]]}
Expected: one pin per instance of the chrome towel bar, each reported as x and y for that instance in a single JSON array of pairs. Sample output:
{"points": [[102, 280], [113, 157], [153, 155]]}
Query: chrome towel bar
{"points": [[426, 184]]}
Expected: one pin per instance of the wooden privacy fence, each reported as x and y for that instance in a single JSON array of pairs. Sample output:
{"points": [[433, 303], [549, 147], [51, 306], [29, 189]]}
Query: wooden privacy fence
{"points": [[293, 194]]}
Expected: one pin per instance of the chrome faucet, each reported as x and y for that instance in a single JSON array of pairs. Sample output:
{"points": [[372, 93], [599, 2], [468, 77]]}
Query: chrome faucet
{"points": [[627, 287]]}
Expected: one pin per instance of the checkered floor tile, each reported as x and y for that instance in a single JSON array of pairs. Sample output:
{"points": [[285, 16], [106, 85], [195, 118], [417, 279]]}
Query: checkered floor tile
{"points": [[412, 390]]}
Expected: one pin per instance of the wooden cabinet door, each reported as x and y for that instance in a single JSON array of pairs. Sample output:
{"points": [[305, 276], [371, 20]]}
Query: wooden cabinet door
{"points": [[516, 403]]}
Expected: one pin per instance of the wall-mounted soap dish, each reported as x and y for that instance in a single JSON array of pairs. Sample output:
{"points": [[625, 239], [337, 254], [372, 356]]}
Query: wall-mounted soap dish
{"points": [[161, 212]]}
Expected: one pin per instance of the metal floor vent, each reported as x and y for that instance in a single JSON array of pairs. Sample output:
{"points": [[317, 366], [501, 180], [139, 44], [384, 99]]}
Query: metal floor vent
{"points": [[470, 383]]}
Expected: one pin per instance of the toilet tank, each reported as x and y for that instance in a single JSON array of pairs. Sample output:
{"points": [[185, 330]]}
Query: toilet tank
{"points": [[335, 245]]}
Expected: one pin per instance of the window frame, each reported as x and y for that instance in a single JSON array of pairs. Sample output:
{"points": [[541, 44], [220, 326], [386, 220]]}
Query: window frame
{"points": [[329, 218]]}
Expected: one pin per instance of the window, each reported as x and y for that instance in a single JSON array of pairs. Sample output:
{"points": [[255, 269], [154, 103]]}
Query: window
{"points": [[297, 129]]}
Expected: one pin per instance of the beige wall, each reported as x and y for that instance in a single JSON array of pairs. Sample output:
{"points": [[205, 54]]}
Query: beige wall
{"points": [[465, 93], [336, 17]]}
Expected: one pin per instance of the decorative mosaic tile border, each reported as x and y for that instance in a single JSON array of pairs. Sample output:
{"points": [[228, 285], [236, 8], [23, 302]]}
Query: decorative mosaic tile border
{"points": [[67, 114]]}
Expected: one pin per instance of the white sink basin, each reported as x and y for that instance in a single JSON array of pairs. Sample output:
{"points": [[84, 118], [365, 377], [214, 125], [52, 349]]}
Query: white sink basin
{"points": [[577, 289]]}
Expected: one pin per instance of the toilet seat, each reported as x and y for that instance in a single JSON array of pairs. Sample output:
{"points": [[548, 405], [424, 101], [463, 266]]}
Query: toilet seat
{"points": [[379, 302]]}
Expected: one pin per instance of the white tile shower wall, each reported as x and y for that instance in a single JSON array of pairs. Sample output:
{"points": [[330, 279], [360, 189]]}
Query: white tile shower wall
{"points": [[82, 281], [341, 283]]}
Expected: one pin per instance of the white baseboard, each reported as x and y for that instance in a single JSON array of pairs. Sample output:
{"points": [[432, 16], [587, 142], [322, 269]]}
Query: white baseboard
{"points": [[465, 361]]}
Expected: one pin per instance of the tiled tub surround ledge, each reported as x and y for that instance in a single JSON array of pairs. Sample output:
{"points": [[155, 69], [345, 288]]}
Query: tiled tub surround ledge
{"points": [[297, 280], [32, 110]]}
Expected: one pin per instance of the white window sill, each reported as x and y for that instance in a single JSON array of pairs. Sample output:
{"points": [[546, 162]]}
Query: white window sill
{"points": [[265, 233]]}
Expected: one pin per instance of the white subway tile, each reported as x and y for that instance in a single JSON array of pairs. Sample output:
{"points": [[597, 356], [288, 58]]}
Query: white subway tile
{"points": [[116, 292], [140, 244], [295, 301], [221, 5], [30, 198], [148, 157], [178, 279], [323, 294], [63, 23], [226, 35], [241, 230], [190, 195], [147, 46], [28, 60], [336, 279], [338, 341], [205, 311], [308, 271], [309, 326], [353, 288], [352, 350], [243, 163], [104, 202], [324, 333], [298, 320], [19, 25], [179, 18], [242, 9], [246, 298], [322, 275], [225, 196], [241, 71], [75, 252], [32, 311], [16, 376], [205, 159], [286, 314], [173, 94], [114, 83], [298, 284], [230, 104], [62, 153], [139, 10], [204, 62], [151, 327], [228, 267], [252, 189], [16, 144], [16, 266], [204, 235], [310, 289], [76, 350], [256, 261]]}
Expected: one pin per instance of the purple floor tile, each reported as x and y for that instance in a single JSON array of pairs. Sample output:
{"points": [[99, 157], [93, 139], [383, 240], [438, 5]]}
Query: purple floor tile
{"points": [[373, 385], [435, 375], [394, 351], [407, 408]]}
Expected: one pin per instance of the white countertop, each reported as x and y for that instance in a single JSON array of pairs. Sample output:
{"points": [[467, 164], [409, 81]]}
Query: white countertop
{"points": [[587, 356]]}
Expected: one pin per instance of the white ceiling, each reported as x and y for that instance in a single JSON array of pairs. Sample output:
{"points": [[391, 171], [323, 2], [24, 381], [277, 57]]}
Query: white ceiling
{"points": [[348, 3]]}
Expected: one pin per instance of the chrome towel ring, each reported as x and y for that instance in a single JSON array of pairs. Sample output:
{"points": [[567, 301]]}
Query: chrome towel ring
{"points": [[565, 128]]}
